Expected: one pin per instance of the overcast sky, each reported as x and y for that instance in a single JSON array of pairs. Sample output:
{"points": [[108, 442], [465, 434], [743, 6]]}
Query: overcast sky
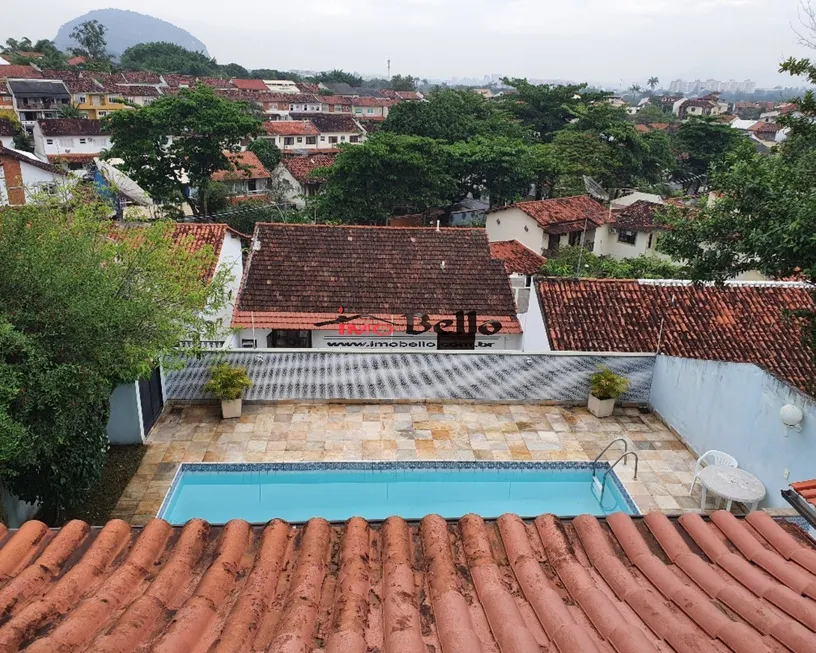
{"points": [[593, 40]]}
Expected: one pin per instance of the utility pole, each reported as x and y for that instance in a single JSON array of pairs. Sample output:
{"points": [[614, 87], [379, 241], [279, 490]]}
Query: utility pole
{"points": [[389, 70]]}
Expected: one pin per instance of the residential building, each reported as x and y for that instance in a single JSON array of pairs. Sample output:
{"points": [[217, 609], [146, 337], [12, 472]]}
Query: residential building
{"points": [[87, 95], [292, 134], [74, 142], [23, 178], [521, 264], [15, 71], [139, 78], [632, 231], [297, 171], [366, 288], [636, 196], [370, 108], [304, 103], [282, 86], [36, 99], [545, 225], [334, 128], [139, 94], [707, 106], [335, 104], [252, 85], [248, 178], [768, 131], [8, 129]]}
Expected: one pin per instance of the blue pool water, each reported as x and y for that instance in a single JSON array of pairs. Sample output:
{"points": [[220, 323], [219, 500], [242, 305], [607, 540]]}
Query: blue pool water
{"points": [[296, 493]]}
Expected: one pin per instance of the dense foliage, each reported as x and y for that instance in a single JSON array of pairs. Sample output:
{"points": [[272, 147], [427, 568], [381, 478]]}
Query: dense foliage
{"points": [[168, 58], [203, 126], [267, 152], [90, 37], [93, 311], [52, 57], [576, 261]]}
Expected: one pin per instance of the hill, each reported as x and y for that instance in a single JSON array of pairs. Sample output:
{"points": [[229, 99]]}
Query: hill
{"points": [[127, 28]]}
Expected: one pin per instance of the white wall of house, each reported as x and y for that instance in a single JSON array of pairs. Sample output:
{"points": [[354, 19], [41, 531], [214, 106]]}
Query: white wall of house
{"points": [[231, 259], [330, 139], [295, 191], [515, 224], [534, 337], [610, 243], [295, 142], [7, 141], [45, 146], [37, 181]]}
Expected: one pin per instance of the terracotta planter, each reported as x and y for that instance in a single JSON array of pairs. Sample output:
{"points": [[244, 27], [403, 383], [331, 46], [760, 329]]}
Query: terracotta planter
{"points": [[600, 407], [230, 409]]}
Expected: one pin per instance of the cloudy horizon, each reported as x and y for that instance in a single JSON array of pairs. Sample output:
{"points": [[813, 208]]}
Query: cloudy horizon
{"points": [[599, 41]]}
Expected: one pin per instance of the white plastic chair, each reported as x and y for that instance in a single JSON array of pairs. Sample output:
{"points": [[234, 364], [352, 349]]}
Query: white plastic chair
{"points": [[712, 457]]}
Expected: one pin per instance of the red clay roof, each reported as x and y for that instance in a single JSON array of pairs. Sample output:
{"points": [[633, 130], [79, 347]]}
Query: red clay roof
{"points": [[564, 211], [741, 323], [82, 85], [15, 71], [140, 77], [71, 127], [245, 165], [290, 128], [9, 127], [807, 490], [330, 123], [563, 586], [335, 99], [76, 61], [56, 159], [765, 127], [250, 84], [381, 271], [195, 237], [637, 217], [138, 90], [301, 167], [517, 258]]}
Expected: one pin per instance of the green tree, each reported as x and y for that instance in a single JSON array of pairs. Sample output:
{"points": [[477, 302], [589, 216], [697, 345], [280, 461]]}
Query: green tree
{"points": [[51, 56], [13, 45], [652, 83], [201, 126], [162, 57], [267, 152], [701, 143], [95, 311], [233, 70], [389, 174], [545, 108], [765, 214], [69, 111], [635, 90], [572, 261], [452, 116], [270, 73], [90, 36], [651, 114], [337, 77], [400, 83], [22, 140]]}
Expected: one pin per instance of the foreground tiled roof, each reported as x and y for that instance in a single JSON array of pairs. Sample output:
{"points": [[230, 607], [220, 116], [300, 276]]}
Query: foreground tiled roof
{"points": [[245, 165], [517, 258], [328, 123], [71, 127], [290, 128], [301, 167], [564, 211], [638, 216], [381, 271], [741, 322], [511, 586]]}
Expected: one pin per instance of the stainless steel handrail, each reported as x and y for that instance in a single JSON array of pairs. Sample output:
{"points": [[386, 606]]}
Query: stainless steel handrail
{"points": [[612, 466], [606, 448]]}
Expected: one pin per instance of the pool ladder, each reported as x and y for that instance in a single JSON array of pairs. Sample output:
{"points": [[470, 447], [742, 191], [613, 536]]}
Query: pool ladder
{"points": [[622, 457]]}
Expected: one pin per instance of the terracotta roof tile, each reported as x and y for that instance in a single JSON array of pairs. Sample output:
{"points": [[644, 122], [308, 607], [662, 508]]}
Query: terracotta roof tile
{"points": [[741, 323], [250, 84], [83, 85], [196, 236], [14, 71], [517, 258], [371, 270], [71, 127], [140, 77], [56, 159], [765, 127], [176, 80], [563, 211], [637, 217], [330, 123], [290, 128], [573, 586], [245, 165], [301, 167], [138, 90], [335, 99], [9, 127], [306, 87]]}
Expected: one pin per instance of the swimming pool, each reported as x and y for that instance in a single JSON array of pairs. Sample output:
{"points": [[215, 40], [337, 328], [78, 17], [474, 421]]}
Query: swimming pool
{"points": [[296, 492]]}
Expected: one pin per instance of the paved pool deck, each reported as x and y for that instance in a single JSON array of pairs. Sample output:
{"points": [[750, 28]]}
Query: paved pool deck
{"points": [[431, 431]]}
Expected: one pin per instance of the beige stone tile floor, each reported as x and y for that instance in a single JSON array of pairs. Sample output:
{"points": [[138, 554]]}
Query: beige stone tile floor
{"points": [[429, 431]]}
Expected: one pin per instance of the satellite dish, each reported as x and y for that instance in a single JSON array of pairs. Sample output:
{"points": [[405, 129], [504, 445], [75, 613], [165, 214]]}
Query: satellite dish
{"points": [[595, 189]]}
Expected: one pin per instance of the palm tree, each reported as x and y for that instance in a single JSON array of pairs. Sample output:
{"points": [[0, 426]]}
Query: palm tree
{"points": [[69, 111], [635, 88], [653, 82]]}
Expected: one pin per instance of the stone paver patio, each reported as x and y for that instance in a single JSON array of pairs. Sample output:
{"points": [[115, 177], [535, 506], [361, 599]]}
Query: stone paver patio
{"points": [[459, 431]]}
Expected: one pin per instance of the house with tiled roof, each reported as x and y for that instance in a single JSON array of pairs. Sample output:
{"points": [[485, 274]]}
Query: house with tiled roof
{"points": [[24, 178], [8, 130], [521, 264], [73, 142], [36, 99], [391, 288], [334, 128], [545, 225], [140, 78], [633, 230], [247, 177], [16, 71], [250, 84], [370, 108], [292, 134], [298, 171], [334, 104]]}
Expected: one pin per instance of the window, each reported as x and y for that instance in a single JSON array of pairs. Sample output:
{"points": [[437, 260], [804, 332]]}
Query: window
{"points": [[369, 110], [354, 139], [48, 188], [289, 140], [575, 238], [311, 140], [357, 110], [289, 339], [627, 237], [291, 107], [49, 141], [248, 343], [322, 139], [332, 139], [67, 142], [553, 243], [80, 99], [342, 138], [252, 185], [96, 100], [102, 114], [300, 139], [82, 141], [649, 244]]}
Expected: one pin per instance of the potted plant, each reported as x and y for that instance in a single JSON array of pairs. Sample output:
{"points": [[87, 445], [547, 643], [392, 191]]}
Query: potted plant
{"points": [[604, 388], [227, 382]]}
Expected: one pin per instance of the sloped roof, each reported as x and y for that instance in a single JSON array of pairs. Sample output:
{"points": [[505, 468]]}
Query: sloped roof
{"points": [[140, 77], [38, 87], [517, 258], [382, 271], [195, 237], [31, 160], [584, 585], [246, 165], [765, 127], [549, 214], [742, 322], [71, 127], [301, 167], [9, 127], [290, 128], [330, 123], [83, 85], [637, 217], [15, 71], [807, 490], [138, 90], [335, 99], [250, 84]]}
